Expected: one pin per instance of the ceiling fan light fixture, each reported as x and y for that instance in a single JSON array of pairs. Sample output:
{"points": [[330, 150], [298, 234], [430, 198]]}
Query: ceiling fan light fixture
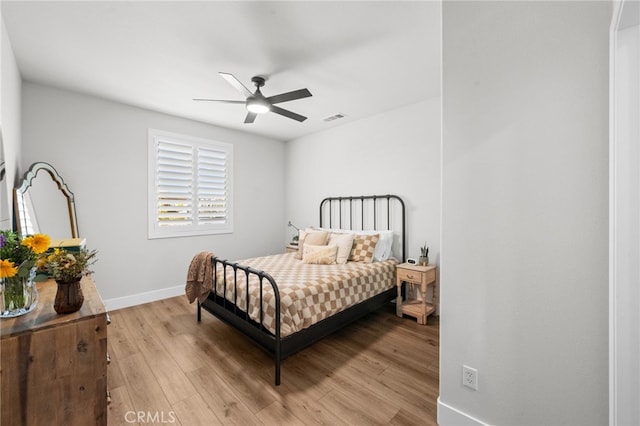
{"points": [[257, 103], [258, 106]]}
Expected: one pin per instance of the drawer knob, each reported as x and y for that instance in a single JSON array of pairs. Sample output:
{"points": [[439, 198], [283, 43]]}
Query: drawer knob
{"points": [[409, 276]]}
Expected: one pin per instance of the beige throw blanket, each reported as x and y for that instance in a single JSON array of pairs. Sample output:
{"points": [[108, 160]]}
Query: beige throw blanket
{"points": [[199, 277]]}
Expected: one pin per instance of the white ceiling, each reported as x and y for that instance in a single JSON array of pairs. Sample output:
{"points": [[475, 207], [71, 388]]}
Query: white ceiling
{"points": [[356, 58]]}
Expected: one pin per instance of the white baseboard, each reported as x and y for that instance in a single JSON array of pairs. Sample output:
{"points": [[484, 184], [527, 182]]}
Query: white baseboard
{"points": [[450, 416], [140, 298]]}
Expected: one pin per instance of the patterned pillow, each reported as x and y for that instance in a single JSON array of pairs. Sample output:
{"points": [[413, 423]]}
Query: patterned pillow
{"points": [[319, 255], [363, 248]]}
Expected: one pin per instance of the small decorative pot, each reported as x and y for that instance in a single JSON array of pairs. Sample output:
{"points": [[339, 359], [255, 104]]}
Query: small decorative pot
{"points": [[69, 297], [18, 295], [423, 261]]}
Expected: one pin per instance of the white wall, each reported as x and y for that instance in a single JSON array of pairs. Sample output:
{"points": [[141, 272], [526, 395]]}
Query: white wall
{"points": [[624, 332], [525, 223], [100, 149], [397, 152], [10, 122]]}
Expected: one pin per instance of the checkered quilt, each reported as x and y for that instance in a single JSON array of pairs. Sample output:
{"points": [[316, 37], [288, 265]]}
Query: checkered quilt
{"points": [[308, 293]]}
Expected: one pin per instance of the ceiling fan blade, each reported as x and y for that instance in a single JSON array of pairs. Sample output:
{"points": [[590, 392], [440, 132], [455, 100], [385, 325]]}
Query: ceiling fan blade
{"points": [[287, 113], [236, 83], [220, 100], [289, 96], [251, 116]]}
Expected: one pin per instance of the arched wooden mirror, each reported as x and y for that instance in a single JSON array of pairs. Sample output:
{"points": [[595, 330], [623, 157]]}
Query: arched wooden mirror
{"points": [[44, 204], [5, 222]]}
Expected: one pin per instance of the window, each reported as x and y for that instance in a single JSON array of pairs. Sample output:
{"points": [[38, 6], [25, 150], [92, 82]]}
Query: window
{"points": [[190, 186]]}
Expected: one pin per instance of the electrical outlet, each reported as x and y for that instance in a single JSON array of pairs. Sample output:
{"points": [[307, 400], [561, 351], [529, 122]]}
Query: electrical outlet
{"points": [[470, 377]]}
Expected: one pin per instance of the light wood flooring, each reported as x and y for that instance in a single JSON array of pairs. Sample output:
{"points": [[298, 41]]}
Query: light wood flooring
{"points": [[168, 369]]}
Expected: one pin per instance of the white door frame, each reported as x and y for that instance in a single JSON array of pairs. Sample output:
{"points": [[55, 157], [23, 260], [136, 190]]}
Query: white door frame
{"points": [[624, 215]]}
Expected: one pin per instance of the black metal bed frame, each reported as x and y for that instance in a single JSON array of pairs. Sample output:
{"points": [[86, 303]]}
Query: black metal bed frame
{"points": [[281, 348]]}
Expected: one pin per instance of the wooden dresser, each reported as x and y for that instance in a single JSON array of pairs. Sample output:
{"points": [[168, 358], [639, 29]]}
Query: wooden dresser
{"points": [[54, 367]]}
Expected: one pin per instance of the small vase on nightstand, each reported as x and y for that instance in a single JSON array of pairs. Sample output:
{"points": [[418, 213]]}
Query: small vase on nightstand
{"points": [[424, 255]]}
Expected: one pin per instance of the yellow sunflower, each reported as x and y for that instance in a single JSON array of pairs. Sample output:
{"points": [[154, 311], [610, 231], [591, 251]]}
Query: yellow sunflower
{"points": [[7, 269], [40, 243]]}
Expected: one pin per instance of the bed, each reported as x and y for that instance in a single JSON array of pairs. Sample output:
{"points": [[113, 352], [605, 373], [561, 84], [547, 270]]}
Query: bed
{"points": [[290, 303]]}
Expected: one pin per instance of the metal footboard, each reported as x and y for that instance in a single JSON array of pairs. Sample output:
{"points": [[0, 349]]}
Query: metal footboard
{"points": [[238, 317]]}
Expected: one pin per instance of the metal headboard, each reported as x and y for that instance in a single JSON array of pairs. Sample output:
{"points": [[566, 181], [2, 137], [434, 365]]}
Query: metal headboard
{"points": [[367, 211]]}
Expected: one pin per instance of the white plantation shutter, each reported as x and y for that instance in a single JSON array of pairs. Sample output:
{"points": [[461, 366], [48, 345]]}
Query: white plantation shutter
{"points": [[212, 185], [174, 184], [189, 186]]}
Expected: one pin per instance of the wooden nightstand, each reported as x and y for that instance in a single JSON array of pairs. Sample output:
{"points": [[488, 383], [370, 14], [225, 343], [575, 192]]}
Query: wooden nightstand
{"points": [[290, 248], [423, 276]]}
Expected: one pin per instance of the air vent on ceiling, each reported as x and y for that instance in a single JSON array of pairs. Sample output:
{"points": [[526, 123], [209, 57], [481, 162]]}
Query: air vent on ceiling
{"points": [[334, 117]]}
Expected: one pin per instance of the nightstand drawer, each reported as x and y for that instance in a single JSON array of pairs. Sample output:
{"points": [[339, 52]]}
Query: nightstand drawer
{"points": [[409, 275]]}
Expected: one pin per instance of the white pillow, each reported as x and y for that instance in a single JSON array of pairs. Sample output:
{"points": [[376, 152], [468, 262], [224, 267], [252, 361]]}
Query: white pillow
{"points": [[344, 242], [383, 248]]}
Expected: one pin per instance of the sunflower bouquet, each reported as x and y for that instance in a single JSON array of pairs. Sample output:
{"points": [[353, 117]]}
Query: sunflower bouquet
{"points": [[18, 257]]}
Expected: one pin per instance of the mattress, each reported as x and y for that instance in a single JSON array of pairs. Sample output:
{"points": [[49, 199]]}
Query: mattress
{"points": [[308, 293]]}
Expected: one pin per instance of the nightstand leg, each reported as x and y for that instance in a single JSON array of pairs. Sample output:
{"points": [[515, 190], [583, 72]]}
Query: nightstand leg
{"points": [[399, 299], [423, 293]]}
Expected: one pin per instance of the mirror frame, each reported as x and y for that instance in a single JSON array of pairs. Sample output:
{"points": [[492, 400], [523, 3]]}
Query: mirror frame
{"points": [[27, 182], [5, 198]]}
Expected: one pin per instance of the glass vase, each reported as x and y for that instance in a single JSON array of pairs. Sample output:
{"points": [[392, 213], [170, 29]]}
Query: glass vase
{"points": [[19, 295]]}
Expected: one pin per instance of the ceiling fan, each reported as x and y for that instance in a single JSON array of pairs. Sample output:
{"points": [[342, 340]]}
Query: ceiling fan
{"points": [[257, 103]]}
